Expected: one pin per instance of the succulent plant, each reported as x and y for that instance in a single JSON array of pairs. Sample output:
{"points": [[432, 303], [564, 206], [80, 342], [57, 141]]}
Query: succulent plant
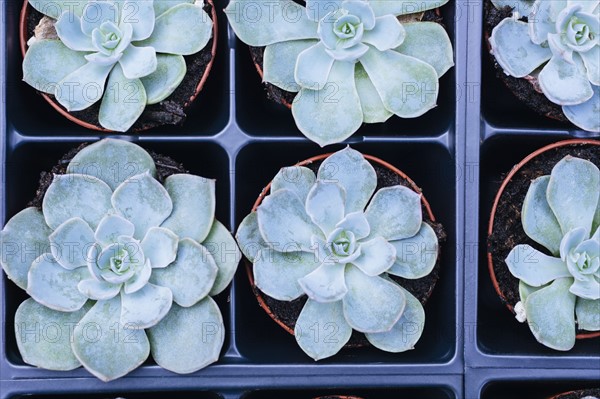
{"points": [[559, 45], [349, 61], [313, 236], [561, 212], [119, 266], [127, 53]]}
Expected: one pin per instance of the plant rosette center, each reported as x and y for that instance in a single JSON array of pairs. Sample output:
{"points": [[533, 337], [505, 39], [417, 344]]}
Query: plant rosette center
{"points": [[560, 292], [124, 54], [119, 251], [359, 50], [558, 45], [333, 237], [342, 244], [578, 30]]}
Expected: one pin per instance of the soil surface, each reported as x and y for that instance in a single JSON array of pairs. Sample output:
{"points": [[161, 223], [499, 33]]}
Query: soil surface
{"points": [[170, 111], [165, 167], [508, 231], [288, 312], [522, 88], [579, 394], [281, 96]]}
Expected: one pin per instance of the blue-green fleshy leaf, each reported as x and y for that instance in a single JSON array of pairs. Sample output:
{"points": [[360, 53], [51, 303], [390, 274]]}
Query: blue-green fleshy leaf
{"points": [[395, 213], [326, 283], [44, 335], [54, 286], [354, 173], [145, 307], [75, 195], [124, 101], [534, 267], [143, 201], [298, 179], [249, 237], [416, 256], [284, 224], [55, 8], [406, 332], [191, 276], [325, 205], [277, 274], [160, 246], [318, 112], [70, 243], [48, 62], [182, 30], [428, 42], [224, 250], [188, 339], [194, 205], [517, 57], [100, 331], [23, 239], [248, 18], [112, 161], [539, 222], [407, 86], [551, 315], [573, 193], [111, 227], [372, 304], [321, 329]]}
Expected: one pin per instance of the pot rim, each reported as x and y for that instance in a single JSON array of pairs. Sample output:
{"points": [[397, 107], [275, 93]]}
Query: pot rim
{"points": [[267, 189], [505, 183], [23, 43]]}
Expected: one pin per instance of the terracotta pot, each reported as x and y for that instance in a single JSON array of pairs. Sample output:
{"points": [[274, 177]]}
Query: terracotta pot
{"points": [[61, 110], [265, 192], [506, 181]]}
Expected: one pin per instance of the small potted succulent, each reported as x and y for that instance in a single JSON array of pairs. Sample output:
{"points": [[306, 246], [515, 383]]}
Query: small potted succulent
{"points": [[120, 257], [118, 65], [593, 393], [547, 52], [544, 243], [342, 240], [346, 62]]}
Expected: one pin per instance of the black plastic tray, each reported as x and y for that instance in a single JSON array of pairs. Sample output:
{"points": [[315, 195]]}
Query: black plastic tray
{"points": [[235, 135]]}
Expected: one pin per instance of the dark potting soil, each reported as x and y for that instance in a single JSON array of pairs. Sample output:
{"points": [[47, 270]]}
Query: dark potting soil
{"points": [[288, 312], [165, 167], [579, 394], [508, 231], [286, 98], [170, 111], [520, 87]]}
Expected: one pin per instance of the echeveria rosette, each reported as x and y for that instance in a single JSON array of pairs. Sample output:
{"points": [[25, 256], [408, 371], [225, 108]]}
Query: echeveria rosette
{"points": [[560, 45], [125, 266], [349, 61], [126, 53], [335, 239], [560, 289]]}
